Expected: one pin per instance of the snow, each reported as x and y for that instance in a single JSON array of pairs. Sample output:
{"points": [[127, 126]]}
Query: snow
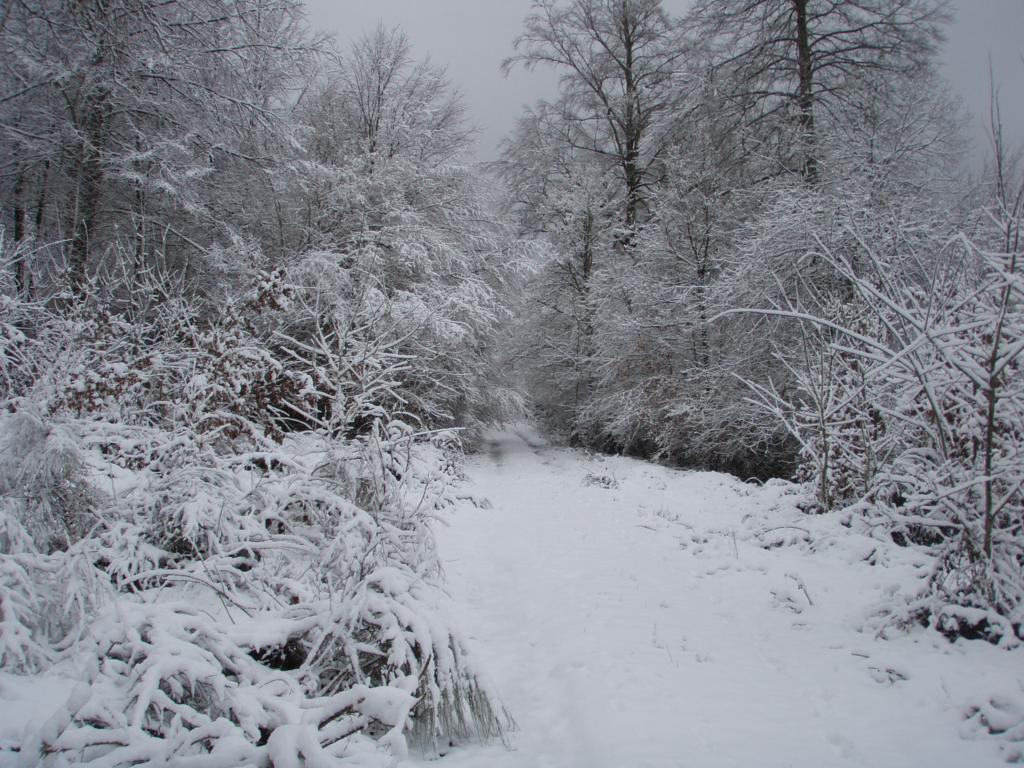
{"points": [[634, 616], [668, 618], [24, 706]]}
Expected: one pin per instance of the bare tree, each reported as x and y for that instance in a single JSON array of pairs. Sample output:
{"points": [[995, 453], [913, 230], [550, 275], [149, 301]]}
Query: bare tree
{"points": [[618, 59], [118, 114], [399, 102], [797, 59]]}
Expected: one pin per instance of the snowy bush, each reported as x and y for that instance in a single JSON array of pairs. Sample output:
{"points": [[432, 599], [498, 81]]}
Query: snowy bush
{"points": [[233, 536], [914, 416]]}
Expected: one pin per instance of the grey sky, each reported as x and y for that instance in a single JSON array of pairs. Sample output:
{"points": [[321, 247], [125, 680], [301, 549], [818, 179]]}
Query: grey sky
{"points": [[471, 37]]}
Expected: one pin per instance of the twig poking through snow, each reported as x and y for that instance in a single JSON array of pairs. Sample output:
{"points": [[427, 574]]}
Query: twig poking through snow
{"points": [[802, 586]]}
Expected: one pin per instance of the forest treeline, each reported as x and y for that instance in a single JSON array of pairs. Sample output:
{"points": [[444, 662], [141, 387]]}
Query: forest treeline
{"points": [[770, 259], [252, 291], [249, 285]]}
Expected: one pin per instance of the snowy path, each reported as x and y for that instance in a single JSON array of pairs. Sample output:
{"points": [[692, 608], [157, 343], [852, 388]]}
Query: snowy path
{"points": [[645, 626]]}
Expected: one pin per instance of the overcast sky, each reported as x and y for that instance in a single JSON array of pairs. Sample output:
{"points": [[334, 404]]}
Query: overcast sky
{"points": [[471, 37]]}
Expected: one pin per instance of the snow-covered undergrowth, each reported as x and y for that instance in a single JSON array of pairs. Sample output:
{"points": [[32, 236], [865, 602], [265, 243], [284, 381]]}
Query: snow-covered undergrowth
{"points": [[636, 615], [216, 543], [245, 607]]}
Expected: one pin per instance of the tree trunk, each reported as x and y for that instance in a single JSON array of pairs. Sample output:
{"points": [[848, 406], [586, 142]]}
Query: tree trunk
{"points": [[632, 129], [21, 284], [585, 321], [805, 91], [90, 182]]}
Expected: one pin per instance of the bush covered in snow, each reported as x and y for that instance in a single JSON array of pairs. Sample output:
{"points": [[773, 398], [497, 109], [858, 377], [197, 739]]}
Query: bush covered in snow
{"points": [[214, 521], [909, 406]]}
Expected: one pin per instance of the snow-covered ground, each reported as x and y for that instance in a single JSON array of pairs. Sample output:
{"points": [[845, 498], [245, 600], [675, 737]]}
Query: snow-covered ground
{"points": [[631, 616], [634, 616]]}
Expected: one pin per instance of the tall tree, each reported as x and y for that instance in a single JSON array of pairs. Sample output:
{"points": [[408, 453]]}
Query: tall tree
{"points": [[118, 114], [617, 59], [399, 102], [409, 229], [798, 59]]}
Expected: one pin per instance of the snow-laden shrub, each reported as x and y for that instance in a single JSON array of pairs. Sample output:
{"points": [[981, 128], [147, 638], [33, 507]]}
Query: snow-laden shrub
{"points": [[298, 585], [916, 420], [46, 600], [42, 477], [234, 537], [166, 683], [20, 646], [954, 480], [1002, 717], [835, 414]]}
